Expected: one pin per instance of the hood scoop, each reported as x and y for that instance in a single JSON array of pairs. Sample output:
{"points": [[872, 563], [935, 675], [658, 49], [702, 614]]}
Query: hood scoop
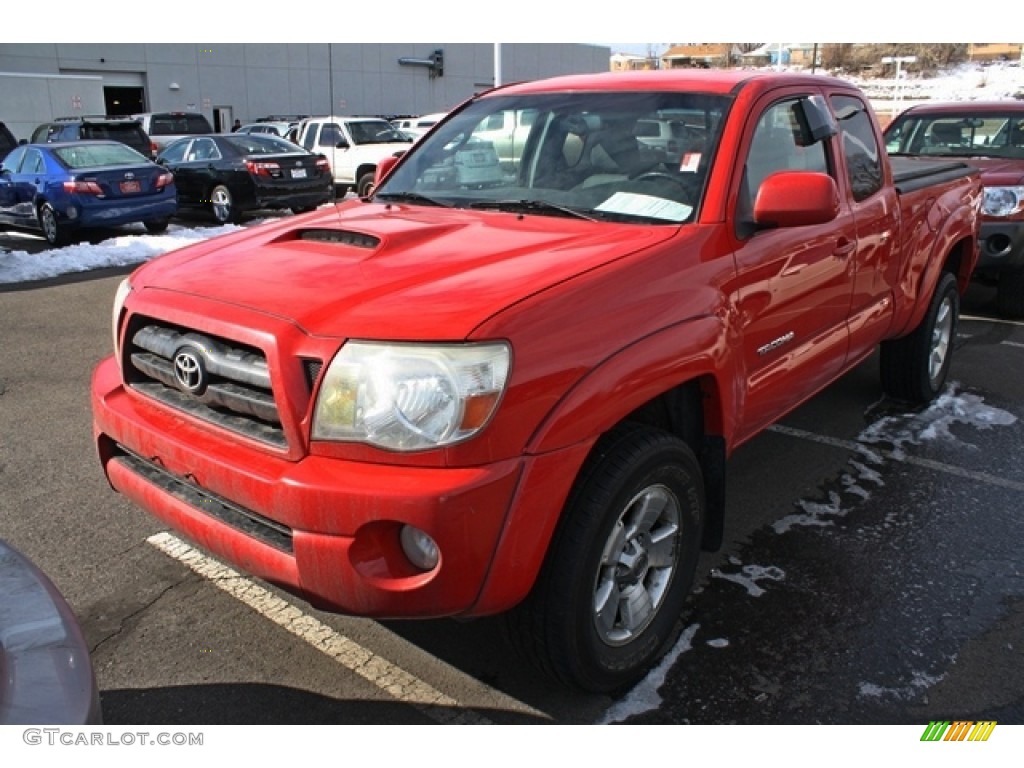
{"points": [[336, 236]]}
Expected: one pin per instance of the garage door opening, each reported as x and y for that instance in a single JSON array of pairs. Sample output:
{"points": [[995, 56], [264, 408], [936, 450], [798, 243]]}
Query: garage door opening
{"points": [[123, 100]]}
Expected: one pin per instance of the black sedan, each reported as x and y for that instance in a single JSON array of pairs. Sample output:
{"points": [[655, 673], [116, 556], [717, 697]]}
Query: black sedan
{"points": [[227, 174]]}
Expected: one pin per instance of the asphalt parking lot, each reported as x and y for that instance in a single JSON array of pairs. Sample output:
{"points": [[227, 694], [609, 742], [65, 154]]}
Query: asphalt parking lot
{"points": [[872, 571]]}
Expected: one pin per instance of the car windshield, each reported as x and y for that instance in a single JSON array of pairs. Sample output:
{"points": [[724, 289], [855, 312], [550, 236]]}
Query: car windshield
{"points": [[374, 132], [961, 134], [98, 155], [581, 154], [262, 144]]}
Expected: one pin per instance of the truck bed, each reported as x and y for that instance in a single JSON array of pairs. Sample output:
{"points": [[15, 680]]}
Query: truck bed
{"points": [[912, 173]]}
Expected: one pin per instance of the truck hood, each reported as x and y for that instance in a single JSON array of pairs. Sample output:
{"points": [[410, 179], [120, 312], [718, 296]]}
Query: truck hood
{"points": [[374, 270], [998, 172]]}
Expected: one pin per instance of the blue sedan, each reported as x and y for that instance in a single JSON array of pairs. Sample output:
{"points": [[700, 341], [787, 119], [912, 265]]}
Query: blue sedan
{"points": [[60, 189]]}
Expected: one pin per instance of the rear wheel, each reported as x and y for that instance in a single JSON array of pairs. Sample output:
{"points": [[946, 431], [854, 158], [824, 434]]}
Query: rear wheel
{"points": [[158, 226], [223, 205], [608, 601], [55, 232], [1010, 294], [914, 368]]}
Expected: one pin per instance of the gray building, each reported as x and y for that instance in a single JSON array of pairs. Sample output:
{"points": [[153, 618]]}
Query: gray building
{"points": [[247, 81]]}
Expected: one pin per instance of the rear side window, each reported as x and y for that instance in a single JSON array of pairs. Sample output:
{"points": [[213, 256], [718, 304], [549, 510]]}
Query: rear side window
{"points": [[129, 134], [863, 159]]}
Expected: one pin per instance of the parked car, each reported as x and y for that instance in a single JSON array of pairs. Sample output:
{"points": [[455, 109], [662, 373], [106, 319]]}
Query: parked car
{"points": [[62, 189], [166, 127], [417, 126], [127, 130], [46, 675], [231, 173], [990, 135], [275, 128], [7, 140]]}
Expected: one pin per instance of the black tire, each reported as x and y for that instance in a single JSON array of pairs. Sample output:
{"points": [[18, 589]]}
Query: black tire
{"points": [[158, 226], [608, 602], [1010, 294], [222, 205], [914, 368], [299, 209], [364, 186], [340, 190], [54, 231]]}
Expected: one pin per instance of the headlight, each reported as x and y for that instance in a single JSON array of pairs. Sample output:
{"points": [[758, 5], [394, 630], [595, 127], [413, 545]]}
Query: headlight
{"points": [[410, 397], [1003, 201], [120, 297]]}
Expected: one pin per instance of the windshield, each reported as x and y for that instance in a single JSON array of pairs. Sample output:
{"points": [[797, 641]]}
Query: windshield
{"points": [[962, 135], [374, 132], [622, 156]]}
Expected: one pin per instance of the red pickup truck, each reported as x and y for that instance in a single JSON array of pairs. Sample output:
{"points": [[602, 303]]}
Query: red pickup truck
{"points": [[510, 382]]}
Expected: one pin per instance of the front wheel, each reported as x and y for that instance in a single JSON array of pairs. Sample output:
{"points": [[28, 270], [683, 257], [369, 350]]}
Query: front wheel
{"points": [[608, 601], [365, 185], [914, 368]]}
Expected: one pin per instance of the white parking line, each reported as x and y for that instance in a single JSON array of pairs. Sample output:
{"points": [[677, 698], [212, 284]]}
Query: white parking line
{"points": [[391, 679], [938, 466], [992, 320]]}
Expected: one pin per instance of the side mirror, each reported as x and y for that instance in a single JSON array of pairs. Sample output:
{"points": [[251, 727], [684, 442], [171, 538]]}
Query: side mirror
{"points": [[383, 168], [796, 199], [342, 144]]}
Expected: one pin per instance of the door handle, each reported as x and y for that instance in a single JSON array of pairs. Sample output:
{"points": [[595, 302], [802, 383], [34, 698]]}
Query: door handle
{"points": [[844, 247]]}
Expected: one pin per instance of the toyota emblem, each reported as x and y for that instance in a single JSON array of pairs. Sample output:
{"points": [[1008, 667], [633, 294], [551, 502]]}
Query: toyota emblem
{"points": [[189, 371]]}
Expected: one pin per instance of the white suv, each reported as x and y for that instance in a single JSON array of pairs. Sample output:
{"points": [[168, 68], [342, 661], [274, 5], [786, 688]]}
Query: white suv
{"points": [[353, 146]]}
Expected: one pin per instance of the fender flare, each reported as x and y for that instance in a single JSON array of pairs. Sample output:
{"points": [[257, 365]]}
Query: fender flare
{"points": [[634, 375], [955, 232]]}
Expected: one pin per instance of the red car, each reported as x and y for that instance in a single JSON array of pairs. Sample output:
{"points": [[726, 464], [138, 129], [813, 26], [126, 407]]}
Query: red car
{"points": [[990, 135]]}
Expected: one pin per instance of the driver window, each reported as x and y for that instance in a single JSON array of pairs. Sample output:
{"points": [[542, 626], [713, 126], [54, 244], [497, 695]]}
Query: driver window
{"points": [[776, 146]]}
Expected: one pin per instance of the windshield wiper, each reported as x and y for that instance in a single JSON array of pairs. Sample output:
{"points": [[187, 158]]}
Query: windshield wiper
{"points": [[411, 197], [530, 206]]}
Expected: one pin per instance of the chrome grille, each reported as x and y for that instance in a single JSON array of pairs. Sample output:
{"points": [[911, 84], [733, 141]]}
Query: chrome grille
{"points": [[216, 380]]}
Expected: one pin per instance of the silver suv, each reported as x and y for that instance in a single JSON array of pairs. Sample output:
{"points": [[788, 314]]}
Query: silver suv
{"points": [[165, 127]]}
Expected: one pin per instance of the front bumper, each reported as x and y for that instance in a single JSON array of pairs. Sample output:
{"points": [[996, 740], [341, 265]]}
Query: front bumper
{"points": [[1000, 247], [324, 528]]}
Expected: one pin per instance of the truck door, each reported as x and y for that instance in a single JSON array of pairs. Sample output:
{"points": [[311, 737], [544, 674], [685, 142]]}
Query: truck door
{"points": [[875, 208], [793, 294]]}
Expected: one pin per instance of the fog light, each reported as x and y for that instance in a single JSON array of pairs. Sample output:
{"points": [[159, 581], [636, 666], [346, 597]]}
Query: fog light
{"points": [[419, 548]]}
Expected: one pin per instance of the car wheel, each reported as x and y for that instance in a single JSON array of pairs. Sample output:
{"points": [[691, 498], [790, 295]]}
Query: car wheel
{"points": [[340, 190], [303, 209], [223, 205], [365, 185], [1010, 294], [55, 232], [609, 598], [158, 226], [914, 368]]}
